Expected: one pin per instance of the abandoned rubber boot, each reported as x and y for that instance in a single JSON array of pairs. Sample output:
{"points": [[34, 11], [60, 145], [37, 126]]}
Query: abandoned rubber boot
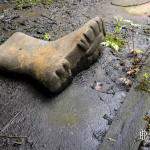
{"points": [[53, 63]]}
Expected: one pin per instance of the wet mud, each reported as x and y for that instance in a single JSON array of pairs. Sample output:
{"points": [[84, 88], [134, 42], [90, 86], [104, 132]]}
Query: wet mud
{"points": [[80, 116]]}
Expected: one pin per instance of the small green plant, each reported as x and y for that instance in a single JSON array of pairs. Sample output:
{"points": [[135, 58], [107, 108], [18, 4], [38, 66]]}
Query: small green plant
{"points": [[144, 84], [114, 42], [146, 76], [46, 36], [118, 25], [26, 3]]}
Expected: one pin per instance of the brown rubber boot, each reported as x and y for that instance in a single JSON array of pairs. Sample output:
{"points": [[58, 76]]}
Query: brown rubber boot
{"points": [[53, 63]]}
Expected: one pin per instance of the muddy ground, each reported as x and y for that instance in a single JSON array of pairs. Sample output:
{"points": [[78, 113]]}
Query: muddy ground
{"points": [[80, 116]]}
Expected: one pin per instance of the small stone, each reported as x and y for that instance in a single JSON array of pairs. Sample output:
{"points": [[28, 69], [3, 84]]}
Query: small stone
{"points": [[108, 118], [99, 134]]}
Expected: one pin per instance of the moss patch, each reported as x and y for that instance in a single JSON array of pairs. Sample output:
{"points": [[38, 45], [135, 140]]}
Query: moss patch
{"points": [[144, 84], [27, 3]]}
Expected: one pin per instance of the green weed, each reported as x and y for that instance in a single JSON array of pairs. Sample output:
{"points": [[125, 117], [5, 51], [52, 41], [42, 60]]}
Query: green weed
{"points": [[118, 25], [46, 36], [114, 40], [144, 84]]}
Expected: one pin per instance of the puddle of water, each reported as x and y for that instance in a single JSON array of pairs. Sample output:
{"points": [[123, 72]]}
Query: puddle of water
{"points": [[139, 10], [64, 113], [65, 119]]}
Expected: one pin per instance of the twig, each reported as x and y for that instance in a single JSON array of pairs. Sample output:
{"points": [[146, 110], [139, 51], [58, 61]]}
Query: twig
{"points": [[88, 17], [18, 139], [10, 122], [132, 30], [13, 137]]}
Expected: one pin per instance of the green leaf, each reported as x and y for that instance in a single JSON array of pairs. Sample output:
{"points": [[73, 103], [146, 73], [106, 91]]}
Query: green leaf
{"points": [[138, 51]]}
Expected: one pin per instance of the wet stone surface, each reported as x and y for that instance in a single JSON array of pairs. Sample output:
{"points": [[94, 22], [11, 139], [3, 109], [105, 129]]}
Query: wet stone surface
{"points": [[80, 116]]}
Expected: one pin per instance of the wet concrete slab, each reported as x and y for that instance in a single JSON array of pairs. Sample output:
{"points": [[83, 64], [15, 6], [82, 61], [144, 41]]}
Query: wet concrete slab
{"points": [[126, 130], [143, 10], [130, 3], [74, 119], [134, 7]]}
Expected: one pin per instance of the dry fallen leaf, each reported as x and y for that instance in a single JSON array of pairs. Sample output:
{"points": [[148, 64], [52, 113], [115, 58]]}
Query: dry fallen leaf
{"points": [[136, 60], [147, 118], [136, 51], [111, 139], [133, 71], [125, 81]]}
